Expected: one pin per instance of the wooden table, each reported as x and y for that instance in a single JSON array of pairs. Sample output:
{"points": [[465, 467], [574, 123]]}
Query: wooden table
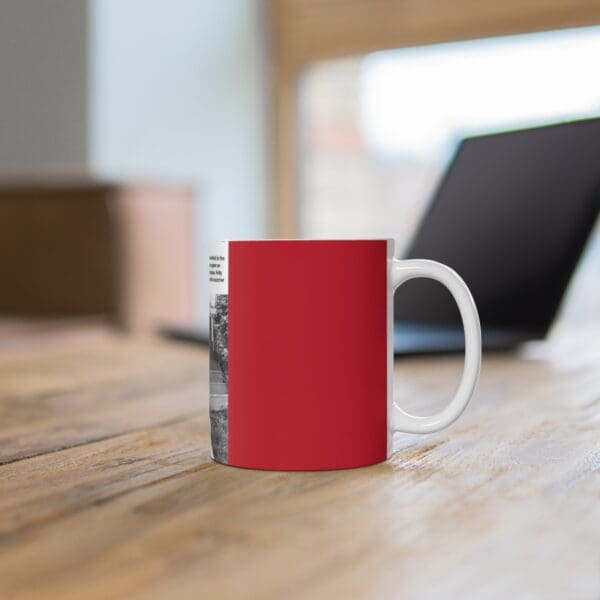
{"points": [[107, 489]]}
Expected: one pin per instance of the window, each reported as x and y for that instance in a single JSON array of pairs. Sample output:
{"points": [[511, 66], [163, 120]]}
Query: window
{"points": [[377, 131]]}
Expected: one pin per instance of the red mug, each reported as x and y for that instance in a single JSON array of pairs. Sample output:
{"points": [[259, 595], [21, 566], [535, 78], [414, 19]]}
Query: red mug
{"points": [[301, 355]]}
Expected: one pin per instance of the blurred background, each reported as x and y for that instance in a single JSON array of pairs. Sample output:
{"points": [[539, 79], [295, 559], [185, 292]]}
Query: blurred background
{"points": [[133, 133]]}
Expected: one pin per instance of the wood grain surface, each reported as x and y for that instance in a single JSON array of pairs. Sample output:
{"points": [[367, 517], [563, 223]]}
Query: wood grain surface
{"points": [[107, 489]]}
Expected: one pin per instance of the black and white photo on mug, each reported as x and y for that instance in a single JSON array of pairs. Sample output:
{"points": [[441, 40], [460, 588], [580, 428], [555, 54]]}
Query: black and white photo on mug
{"points": [[219, 363]]}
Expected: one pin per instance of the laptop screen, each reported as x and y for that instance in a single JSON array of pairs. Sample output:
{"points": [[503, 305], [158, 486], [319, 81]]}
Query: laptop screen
{"points": [[511, 216]]}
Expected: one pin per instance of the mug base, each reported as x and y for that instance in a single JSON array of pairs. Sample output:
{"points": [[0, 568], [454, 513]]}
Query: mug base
{"points": [[295, 469]]}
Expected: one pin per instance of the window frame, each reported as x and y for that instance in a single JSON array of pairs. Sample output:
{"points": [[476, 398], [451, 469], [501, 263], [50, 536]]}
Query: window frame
{"points": [[305, 31]]}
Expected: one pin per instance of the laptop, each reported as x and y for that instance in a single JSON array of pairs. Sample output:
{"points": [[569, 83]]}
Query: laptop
{"points": [[511, 215]]}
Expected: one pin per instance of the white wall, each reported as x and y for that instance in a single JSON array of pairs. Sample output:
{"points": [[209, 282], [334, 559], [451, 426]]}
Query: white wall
{"points": [[178, 91], [160, 89], [43, 85]]}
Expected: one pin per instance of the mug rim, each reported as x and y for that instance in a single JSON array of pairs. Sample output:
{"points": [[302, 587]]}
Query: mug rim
{"points": [[307, 240]]}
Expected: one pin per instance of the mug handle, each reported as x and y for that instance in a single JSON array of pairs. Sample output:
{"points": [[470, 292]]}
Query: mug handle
{"points": [[403, 270]]}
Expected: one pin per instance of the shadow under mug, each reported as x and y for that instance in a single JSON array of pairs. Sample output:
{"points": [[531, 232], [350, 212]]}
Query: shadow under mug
{"points": [[301, 356]]}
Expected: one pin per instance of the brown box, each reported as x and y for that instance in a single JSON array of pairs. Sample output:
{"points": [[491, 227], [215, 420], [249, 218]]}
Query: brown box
{"points": [[97, 248]]}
